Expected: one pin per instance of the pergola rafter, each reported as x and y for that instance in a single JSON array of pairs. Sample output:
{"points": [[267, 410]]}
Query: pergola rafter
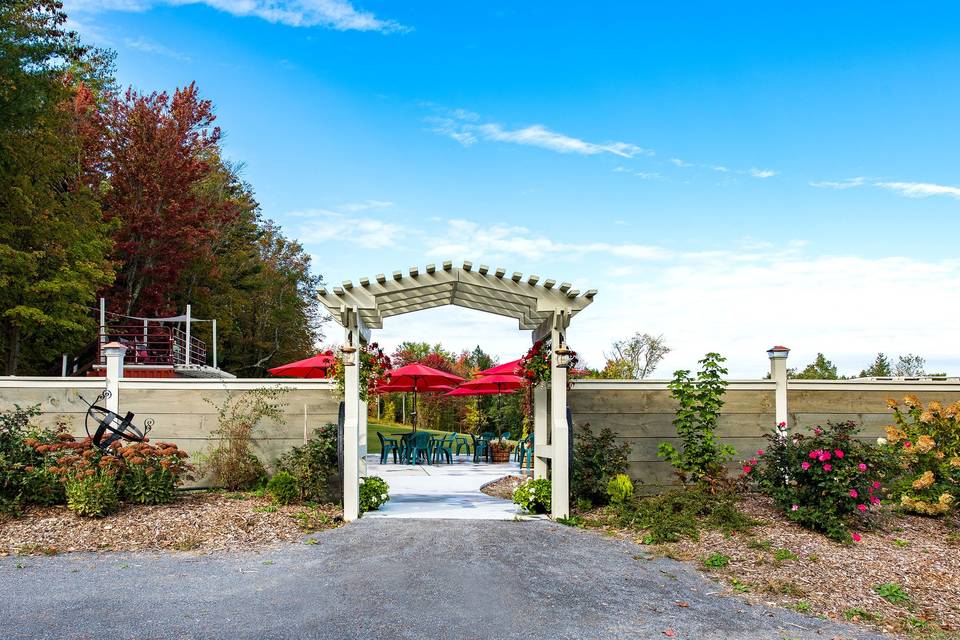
{"points": [[545, 309]]}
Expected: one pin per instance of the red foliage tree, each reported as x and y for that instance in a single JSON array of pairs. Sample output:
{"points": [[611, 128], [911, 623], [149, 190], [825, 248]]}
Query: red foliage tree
{"points": [[160, 150]]}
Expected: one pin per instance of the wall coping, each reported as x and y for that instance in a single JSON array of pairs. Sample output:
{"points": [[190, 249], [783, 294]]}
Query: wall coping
{"points": [[792, 385]]}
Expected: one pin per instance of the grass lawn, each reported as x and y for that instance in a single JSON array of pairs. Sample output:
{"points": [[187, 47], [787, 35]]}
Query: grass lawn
{"points": [[391, 428]]}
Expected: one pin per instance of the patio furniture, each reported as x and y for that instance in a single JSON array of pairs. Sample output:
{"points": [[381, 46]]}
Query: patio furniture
{"points": [[443, 448], [418, 445], [505, 435], [462, 442], [481, 448], [388, 444], [524, 452]]}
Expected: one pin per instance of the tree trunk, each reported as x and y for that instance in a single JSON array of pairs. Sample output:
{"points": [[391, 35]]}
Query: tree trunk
{"points": [[13, 349]]}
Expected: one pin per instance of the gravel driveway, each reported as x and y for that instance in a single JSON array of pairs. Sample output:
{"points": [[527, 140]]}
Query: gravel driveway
{"points": [[383, 578]]}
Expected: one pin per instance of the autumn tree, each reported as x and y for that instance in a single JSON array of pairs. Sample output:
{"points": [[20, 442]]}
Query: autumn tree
{"points": [[54, 245]]}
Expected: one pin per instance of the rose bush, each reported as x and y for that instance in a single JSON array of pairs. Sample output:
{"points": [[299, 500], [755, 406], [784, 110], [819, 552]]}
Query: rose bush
{"points": [[824, 481], [374, 369]]}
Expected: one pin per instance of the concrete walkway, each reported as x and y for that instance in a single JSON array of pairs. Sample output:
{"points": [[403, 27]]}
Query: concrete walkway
{"points": [[442, 491], [392, 579]]}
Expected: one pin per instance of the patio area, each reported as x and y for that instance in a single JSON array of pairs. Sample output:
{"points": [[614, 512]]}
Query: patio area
{"points": [[443, 491]]}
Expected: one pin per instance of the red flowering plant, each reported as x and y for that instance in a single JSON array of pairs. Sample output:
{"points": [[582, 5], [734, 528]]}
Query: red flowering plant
{"points": [[534, 366], [375, 368], [824, 481]]}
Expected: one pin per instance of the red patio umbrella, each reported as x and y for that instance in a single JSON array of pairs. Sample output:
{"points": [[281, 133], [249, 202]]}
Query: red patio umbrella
{"points": [[507, 368], [489, 385], [314, 367], [418, 377]]}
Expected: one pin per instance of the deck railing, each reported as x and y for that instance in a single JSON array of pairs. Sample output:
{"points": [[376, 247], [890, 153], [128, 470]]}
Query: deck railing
{"points": [[154, 345]]}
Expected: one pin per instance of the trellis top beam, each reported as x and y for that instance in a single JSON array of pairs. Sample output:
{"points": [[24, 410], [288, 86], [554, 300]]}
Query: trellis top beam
{"points": [[531, 304]]}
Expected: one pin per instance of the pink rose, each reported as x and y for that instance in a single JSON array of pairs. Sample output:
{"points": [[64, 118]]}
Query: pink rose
{"points": [[805, 466], [759, 452], [907, 445], [828, 467], [838, 453], [747, 468], [856, 537], [876, 485], [862, 507], [874, 500], [794, 507], [818, 431], [814, 454], [853, 493], [862, 467]]}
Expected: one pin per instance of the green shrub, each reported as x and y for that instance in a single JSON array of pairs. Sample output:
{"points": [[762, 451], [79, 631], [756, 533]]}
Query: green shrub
{"points": [[701, 456], [315, 466], [670, 516], [148, 485], [596, 459], [93, 496], [283, 488], [374, 492], [533, 496], [822, 481], [620, 490], [16, 456], [40, 486], [232, 461]]}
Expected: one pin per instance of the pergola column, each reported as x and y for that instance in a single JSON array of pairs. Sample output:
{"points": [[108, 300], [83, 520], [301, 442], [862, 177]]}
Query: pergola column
{"points": [[541, 431], [351, 414], [560, 436]]}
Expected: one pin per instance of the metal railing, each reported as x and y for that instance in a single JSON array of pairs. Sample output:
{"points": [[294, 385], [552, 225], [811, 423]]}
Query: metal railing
{"points": [[154, 345]]}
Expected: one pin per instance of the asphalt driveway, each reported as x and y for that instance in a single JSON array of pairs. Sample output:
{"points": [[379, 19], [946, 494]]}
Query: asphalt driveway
{"points": [[387, 579]]}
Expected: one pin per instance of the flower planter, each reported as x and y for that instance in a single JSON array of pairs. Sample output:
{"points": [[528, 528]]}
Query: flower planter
{"points": [[500, 452]]}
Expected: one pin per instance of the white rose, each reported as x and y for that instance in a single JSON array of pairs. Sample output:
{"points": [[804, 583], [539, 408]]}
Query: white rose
{"points": [[881, 441]]}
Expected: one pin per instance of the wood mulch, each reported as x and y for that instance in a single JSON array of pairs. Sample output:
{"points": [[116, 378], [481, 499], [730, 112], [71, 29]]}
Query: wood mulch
{"points": [[201, 522], [503, 488], [780, 563]]}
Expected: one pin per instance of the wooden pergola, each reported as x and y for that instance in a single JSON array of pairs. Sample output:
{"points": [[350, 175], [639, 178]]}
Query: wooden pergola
{"points": [[543, 307]]}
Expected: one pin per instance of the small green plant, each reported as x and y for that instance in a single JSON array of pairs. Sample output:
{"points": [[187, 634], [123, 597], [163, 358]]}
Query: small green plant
{"points": [[311, 520], [898, 542], [232, 460], [572, 521], [283, 488], [672, 515], [783, 555], [584, 504], [739, 587], [93, 496], [716, 561], [374, 492], [701, 456], [802, 607], [892, 593], [597, 457], [763, 545], [148, 485], [620, 490], [267, 508], [534, 496], [857, 613]]}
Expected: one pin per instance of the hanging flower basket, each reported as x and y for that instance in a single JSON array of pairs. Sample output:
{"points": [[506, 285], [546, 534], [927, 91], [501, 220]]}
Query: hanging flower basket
{"points": [[374, 368]]}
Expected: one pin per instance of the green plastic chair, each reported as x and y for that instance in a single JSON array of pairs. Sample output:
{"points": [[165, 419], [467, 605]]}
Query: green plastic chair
{"points": [[505, 435], [388, 445], [443, 448], [525, 451], [462, 442], [418, 445], [481, 448]]}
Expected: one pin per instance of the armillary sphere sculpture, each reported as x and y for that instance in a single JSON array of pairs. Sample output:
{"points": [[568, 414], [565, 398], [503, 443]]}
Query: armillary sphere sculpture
{"points": [[106, 427]]}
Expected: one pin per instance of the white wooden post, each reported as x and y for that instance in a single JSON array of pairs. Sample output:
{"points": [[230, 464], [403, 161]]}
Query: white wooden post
{"points": [[778, 373], [114, 353], [214, 343], [560, 439], [541, 430], [351, 417], [188, 335]]}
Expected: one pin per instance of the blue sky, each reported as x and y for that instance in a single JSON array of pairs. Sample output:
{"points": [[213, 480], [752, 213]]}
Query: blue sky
{"points": [[732, 175]]}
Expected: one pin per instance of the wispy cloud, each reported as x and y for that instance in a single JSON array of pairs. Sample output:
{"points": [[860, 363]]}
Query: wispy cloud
{"points": [[906, 189], [762, 173], [148, 46], [719, 168], [464, 127], [319, 226], [503, 241], [920, 189], [339, 15]]}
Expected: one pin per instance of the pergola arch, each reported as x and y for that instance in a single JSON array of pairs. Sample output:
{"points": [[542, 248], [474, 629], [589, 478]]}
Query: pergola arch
{"points": [[544, 308]]}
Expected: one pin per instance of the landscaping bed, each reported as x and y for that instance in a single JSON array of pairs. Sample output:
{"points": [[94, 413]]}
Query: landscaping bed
{"points": [[195, 521], [503, 488], [903, 576]]}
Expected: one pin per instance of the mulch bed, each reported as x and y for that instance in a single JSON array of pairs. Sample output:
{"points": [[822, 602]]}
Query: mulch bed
{"points": [[921, 555], [503, 488], [200, 522]]}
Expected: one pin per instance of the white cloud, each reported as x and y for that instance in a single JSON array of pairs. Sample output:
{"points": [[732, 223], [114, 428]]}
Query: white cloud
{"points": [[762, 173], [462, 126], [920, 189], [148, 46], [906, 189], [849, 183], [680, 163], [318, 226], [340, 15]]}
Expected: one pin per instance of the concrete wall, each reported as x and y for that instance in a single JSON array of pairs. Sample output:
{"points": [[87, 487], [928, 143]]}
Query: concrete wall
{"points": [[641, 413], [179, 407]]}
